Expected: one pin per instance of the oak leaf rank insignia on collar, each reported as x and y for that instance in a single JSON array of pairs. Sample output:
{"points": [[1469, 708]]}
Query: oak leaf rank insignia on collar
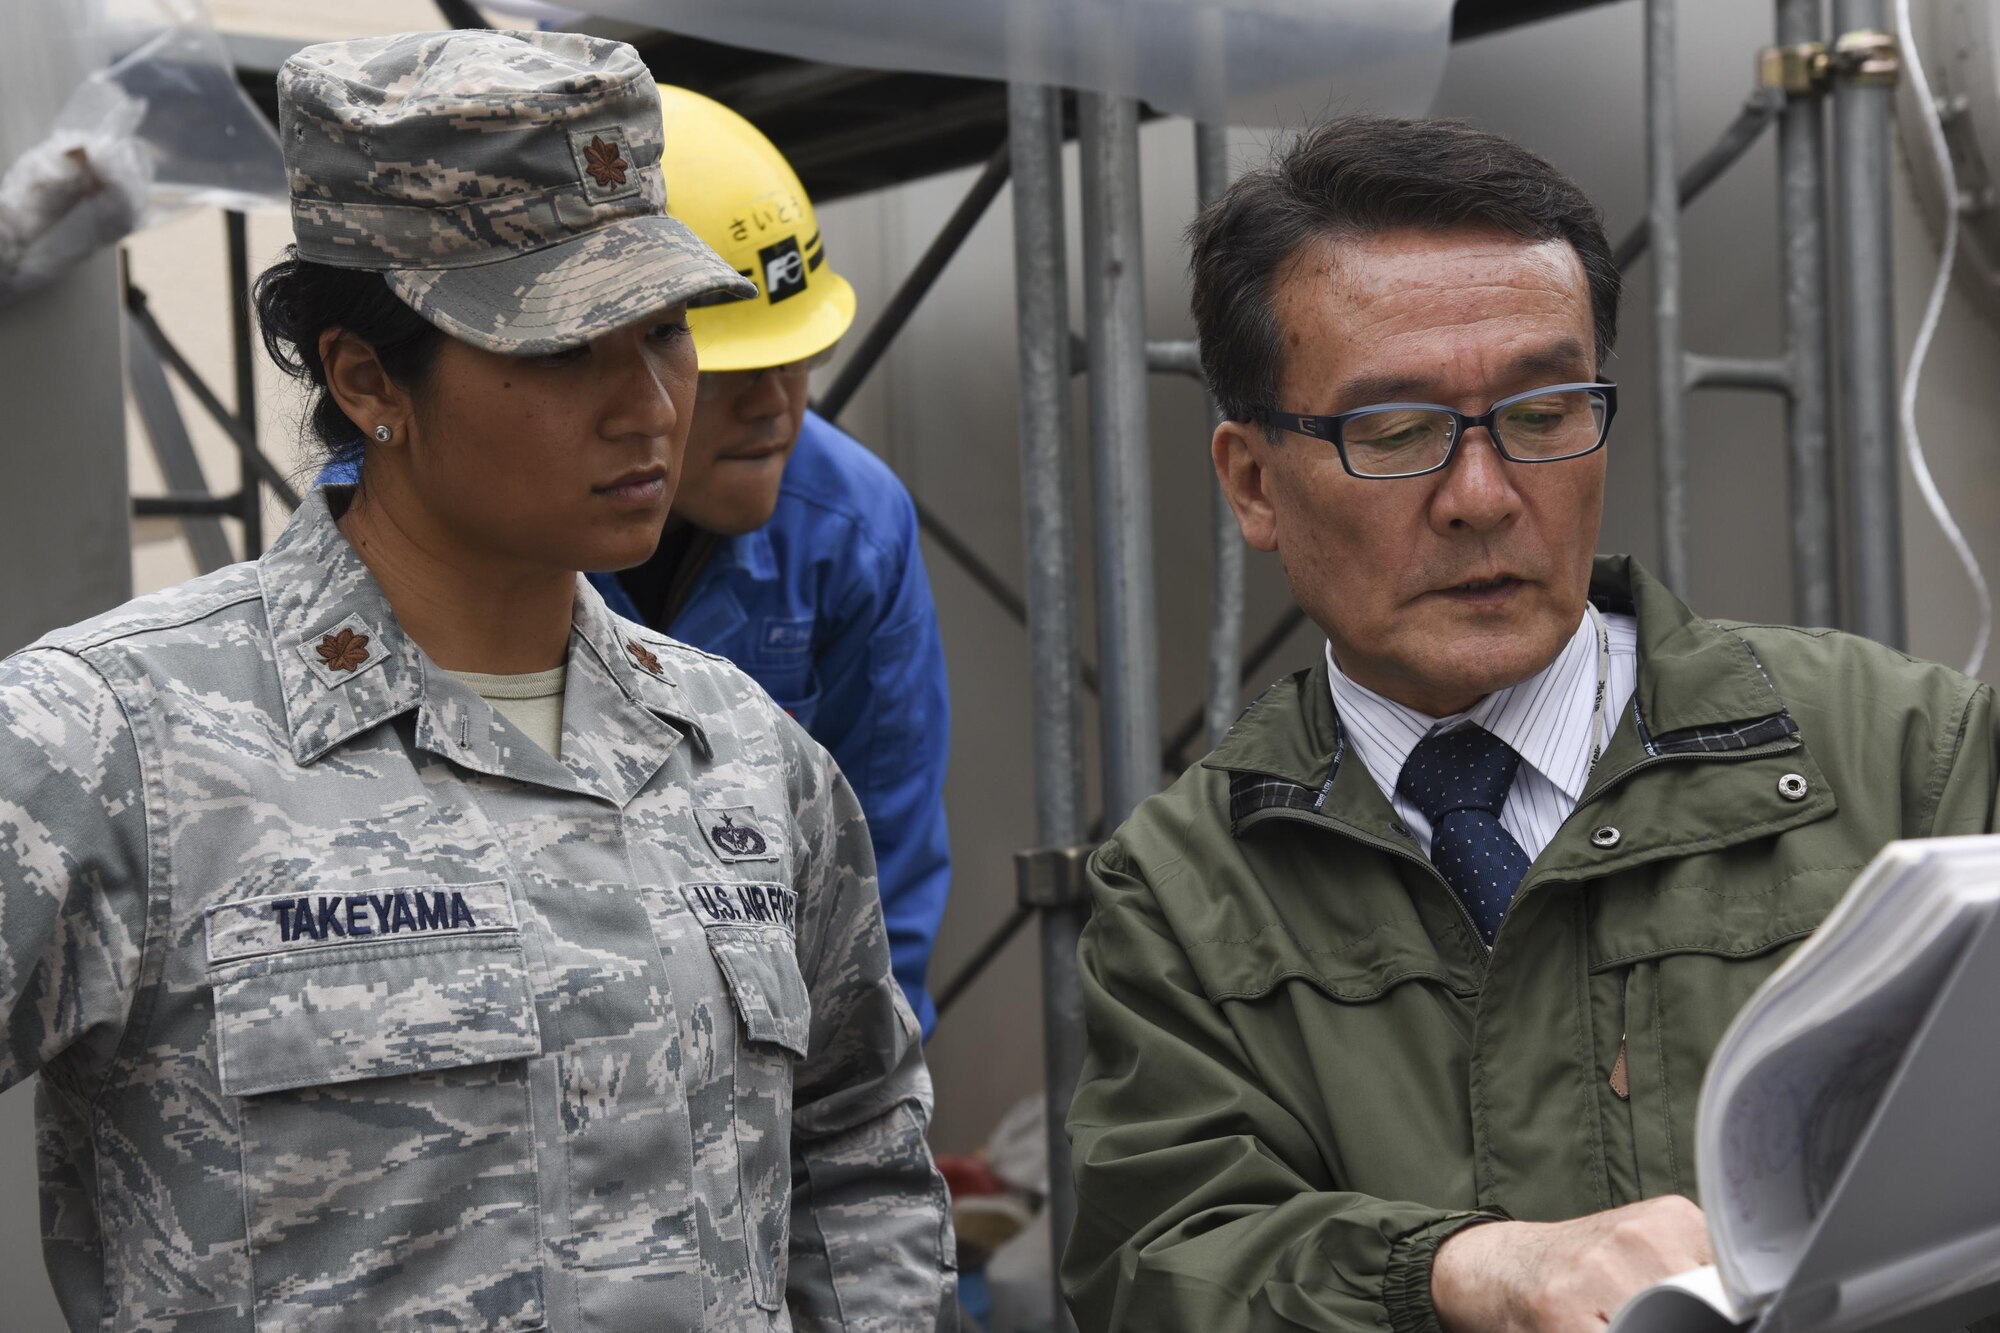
{"points": [[343, 651], [643, 656]]}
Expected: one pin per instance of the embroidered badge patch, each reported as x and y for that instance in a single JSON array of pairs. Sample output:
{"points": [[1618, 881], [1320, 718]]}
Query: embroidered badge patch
{"points": [[281, 923], [734, 834], [742, 904], [604, 164]]}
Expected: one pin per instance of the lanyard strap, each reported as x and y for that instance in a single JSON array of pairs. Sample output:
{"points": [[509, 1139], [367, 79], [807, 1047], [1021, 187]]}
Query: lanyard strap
{"points": [[1597, 730]]}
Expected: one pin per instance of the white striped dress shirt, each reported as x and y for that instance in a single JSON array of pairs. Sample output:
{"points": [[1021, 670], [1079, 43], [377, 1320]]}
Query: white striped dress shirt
{"points": [[1546, 718]]}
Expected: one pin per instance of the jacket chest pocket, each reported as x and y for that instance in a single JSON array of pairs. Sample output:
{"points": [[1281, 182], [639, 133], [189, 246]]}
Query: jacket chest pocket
{"points": [[1362, 1032], [1670, 966], [773, 1019], [1674, 1008], [382, 1098]]}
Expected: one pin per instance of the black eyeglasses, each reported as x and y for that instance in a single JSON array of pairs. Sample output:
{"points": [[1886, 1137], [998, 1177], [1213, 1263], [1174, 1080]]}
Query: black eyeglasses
{"points": [[1411, 439]]}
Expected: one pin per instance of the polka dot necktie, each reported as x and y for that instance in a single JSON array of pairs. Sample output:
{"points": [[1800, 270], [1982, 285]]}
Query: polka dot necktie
{"points": [[1459, 779]]}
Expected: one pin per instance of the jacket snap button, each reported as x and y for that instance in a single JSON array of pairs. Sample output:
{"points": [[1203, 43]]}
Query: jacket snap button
{"points": [[1604, 836], [1792, 787], [1400, 829]]}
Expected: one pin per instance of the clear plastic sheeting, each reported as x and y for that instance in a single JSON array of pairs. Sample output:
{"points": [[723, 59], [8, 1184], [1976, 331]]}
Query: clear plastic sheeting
{"points": [[162, 127], [81, 188], [1239, 62], [208, 141], [542, 15]]}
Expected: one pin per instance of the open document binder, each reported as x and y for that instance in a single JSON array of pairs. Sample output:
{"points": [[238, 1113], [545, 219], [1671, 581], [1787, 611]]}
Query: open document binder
{"points": [[1848, 1141]]}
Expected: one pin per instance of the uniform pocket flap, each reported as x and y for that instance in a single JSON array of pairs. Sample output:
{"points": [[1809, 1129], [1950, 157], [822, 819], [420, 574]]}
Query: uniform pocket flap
{"points": [[764, 980], [372, 1011]]}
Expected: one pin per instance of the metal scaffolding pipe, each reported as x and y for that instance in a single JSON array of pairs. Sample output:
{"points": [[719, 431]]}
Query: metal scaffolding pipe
{"points": [[1808, 349], [1176, 356], [1861, 110], [1736, 372], [1034, 130], [245, 442], [917, 285], [1738, 138], [1664, 227], [1225, 626], [1115, 323], [241, 337]]}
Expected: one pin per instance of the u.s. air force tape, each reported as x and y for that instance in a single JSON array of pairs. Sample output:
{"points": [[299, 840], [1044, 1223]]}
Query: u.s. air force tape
{"points": [[742, 904], [282, 923]]}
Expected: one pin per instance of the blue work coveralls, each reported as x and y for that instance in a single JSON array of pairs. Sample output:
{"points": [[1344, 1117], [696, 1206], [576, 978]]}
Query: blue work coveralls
{"points": [[828, 607]]}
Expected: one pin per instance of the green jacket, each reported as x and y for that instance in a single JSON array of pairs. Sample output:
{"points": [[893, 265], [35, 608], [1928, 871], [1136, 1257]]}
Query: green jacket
{"points": [[1304, 1071]]}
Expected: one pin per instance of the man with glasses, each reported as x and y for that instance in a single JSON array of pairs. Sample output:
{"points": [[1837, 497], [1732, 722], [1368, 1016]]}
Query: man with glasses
{"points": [[1399, 1001], [792, 550]]}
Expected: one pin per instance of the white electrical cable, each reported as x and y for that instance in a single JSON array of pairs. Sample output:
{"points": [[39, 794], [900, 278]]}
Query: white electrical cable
{"points": [[1933, 312]]}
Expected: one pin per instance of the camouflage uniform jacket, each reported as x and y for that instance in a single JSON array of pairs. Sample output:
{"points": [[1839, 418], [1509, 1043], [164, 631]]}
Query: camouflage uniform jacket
{"points": [[356, 1009]]}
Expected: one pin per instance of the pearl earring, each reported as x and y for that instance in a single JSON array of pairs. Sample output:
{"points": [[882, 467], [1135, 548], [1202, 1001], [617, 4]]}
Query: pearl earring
{"points": [[382, 434]]}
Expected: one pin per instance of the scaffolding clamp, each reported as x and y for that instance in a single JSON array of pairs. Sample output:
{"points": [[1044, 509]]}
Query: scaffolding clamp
{"points": [[1052, 877], [1868, 58], [1799, 69]]}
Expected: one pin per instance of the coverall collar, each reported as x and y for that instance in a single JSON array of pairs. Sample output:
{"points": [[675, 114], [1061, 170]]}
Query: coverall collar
{"points": [[752, 553]]}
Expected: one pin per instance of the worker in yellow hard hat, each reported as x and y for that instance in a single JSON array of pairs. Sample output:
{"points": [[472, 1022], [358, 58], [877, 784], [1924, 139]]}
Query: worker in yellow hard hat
{"points": [[791, 549]]}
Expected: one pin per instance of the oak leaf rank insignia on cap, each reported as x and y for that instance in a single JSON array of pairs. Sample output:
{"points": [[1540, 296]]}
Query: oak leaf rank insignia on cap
{"points": [[505, 184], [602, 166]]}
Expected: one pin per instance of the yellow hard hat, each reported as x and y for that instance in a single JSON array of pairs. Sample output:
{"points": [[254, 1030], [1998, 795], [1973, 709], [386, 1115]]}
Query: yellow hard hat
{"points": [[733, 189]]}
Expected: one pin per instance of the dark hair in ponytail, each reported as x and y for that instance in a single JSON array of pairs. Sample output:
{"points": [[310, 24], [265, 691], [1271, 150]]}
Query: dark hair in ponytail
{"points": [[298, 300]]}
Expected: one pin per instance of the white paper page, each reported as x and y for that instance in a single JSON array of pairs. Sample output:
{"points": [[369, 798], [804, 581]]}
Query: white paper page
{"points": [[1791, 1121], [1799, 1074]]}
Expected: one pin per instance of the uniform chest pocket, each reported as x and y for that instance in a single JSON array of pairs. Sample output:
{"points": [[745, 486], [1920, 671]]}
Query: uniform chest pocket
{"points": [[381, 1089], [749, 929], [766, 988]]}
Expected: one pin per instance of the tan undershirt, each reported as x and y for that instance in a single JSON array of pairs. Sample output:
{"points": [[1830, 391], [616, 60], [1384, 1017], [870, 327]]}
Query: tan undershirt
{"points": [[533, 702]]}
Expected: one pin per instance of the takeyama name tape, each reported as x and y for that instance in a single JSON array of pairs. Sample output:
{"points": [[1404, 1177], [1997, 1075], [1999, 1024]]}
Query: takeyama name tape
{"points": [[284, 922]]}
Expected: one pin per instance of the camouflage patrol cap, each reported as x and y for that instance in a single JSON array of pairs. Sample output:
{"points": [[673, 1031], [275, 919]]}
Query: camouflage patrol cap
{"points": [[505, 184]]}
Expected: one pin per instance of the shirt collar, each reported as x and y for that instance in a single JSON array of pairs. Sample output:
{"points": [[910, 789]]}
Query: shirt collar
{"points": [[1694, 677], [1545, 718], [345, 665]]}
